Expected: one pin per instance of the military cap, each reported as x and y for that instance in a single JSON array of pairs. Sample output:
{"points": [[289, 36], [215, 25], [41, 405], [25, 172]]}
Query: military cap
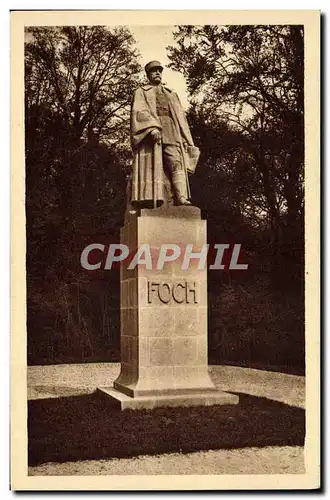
{"points": [[152, 65]]}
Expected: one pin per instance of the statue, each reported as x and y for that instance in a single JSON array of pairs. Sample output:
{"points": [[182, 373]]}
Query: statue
{"points": [[162, 144]]}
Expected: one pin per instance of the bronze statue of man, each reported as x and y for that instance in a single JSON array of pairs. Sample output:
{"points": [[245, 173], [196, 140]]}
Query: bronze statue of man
{"points": [[162, 145]]}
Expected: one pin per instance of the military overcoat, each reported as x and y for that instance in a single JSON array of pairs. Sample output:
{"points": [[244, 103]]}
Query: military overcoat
{"points": [[148, 178]]}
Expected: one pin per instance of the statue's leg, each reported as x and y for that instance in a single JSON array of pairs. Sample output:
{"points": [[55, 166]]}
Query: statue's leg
{"points": [[173, 162], [130, 208], [169, 193]]}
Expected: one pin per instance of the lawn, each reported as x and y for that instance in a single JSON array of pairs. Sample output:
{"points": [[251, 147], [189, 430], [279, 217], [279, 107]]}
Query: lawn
{"points": [[89, 427]]}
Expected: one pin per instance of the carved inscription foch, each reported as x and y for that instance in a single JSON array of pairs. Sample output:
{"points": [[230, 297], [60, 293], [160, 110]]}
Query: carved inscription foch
{"points": [[180, 291]]}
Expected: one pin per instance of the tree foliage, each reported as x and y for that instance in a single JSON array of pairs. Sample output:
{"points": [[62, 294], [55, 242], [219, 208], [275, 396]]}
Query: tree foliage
{"points": [[250, 81], [246, 90], [84, 75], [78, 87]]}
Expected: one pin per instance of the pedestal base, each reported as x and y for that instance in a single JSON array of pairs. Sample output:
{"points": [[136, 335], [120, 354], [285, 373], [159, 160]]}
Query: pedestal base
{"points": [[124, 402], [164, 314]]}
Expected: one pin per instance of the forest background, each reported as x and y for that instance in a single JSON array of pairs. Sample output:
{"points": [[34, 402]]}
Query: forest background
{"points": [[245, 89]]}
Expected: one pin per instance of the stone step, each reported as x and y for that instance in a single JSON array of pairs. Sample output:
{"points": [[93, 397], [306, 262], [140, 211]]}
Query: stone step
{"points": [[124, 402]]}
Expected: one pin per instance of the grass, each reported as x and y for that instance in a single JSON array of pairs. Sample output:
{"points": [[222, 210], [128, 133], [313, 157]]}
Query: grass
{"points": [[88, 427]]}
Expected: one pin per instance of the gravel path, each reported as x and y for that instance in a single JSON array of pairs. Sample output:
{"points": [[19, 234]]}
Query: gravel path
{"points": [[269, 460], [70, 380]]}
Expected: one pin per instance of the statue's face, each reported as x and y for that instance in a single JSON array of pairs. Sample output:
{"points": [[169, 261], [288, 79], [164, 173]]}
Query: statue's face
{"points": [[155, 75]]}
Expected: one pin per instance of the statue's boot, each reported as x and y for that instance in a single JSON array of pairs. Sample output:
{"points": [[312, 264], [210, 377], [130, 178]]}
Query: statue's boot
{"points": [[180, 188], [181, 200]]}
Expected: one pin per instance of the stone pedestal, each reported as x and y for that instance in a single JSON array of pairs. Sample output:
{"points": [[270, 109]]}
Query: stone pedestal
{"points": [[164, 317]]}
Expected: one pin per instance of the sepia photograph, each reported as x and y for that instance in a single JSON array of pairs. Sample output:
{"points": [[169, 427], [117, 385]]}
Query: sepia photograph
{"points": [[165, 250]]}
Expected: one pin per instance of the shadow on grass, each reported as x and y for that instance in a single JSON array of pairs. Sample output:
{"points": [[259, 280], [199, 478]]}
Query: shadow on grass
{"points": [[90, 428]]}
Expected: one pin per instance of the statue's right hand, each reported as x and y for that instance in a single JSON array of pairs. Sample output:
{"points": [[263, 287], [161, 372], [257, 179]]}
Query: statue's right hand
{"points": [[156, 136]]}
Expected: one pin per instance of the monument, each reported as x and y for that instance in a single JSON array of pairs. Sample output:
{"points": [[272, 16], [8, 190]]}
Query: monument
{"points": [[163, 298]]}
